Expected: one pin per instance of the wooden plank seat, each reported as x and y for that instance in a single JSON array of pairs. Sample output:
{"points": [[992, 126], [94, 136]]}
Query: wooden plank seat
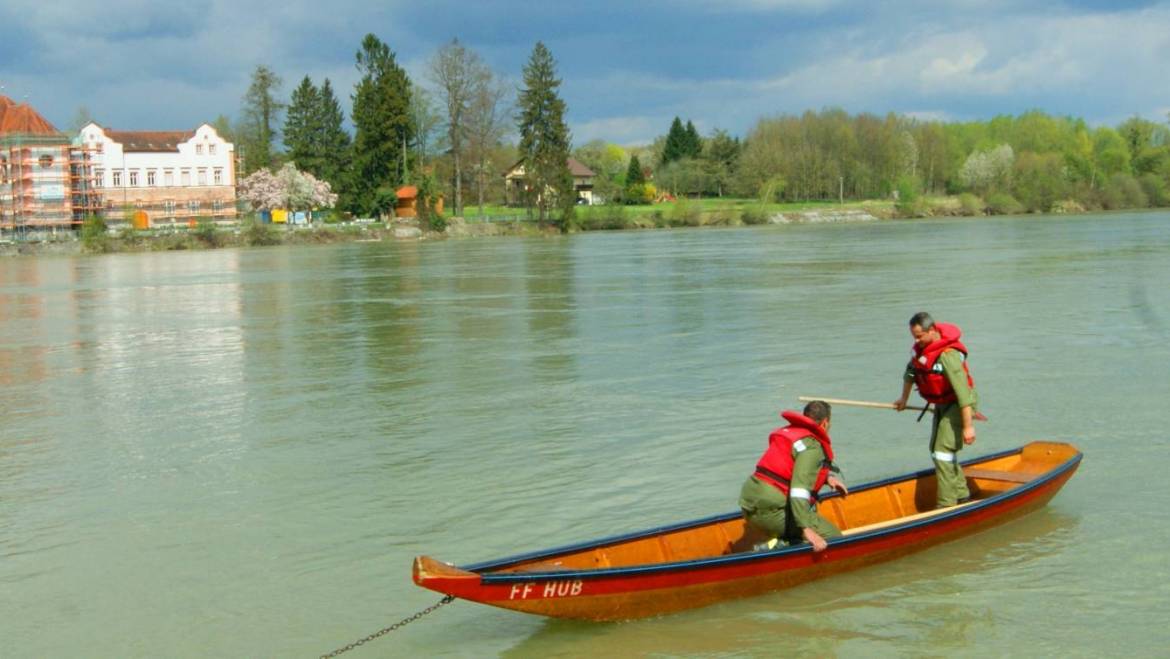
{"points": [[997, 475]]}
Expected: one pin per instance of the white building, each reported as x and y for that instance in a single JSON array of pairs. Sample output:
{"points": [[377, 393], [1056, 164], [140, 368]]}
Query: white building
{"points": [[162, 177]]}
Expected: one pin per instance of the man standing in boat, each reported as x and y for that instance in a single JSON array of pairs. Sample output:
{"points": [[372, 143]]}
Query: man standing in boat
{"points": [[939, 370], [780, 497]]}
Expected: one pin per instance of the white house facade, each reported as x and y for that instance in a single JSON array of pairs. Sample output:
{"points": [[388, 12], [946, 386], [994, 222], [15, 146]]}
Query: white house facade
{"points": [[163, 177]]}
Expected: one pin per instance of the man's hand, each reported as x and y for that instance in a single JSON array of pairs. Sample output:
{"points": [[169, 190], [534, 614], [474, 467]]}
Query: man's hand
{"points": [[815, 540], [900, 404], [969, 435], [836, 484]]}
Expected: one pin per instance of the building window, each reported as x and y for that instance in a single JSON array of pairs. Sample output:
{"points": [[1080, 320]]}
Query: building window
{"points": [[150, 181], [218, 176], [202, 176], [133, 178], [193, 206], [46, 161], [169, 177], [99, 177], [217, 205], [117, 178], [185, 177], [198, 149], [211, 149], [169, 207]]}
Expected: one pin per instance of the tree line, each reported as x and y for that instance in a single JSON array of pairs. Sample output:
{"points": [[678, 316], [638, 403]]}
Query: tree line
{"points": [[1031, 162], [444, 137], [455, 133]]}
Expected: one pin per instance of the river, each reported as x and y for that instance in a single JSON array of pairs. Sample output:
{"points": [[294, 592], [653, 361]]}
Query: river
{"points": [[239, 452]]}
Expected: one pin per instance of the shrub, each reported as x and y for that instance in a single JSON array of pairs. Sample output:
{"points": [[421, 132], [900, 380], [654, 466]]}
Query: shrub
{"points": [[602, 218], [683, 213], [258, 234], [1155, 189], [971, 204], [754, 215], [94, 235], [206, 232], [1123, 191], [1002, 203]]}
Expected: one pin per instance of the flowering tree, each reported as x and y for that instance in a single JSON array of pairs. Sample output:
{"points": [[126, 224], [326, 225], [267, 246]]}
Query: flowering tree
{"points": [[984, 170], [288, 188]]}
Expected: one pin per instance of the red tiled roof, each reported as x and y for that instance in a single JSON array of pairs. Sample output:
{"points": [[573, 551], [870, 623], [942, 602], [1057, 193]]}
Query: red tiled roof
{"points": [[407, 192], [22, 119], [153, 141]]}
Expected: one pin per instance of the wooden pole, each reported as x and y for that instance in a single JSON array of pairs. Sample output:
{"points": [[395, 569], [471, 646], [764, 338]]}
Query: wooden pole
{"points": [[856, 403], [978, 416]]}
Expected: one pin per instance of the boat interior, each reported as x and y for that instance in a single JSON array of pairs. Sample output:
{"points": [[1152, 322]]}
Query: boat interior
{"points": [[869, 507]]}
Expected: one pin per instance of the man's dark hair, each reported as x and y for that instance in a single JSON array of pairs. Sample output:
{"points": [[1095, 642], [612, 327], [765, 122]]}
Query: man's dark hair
{"points": [[818, 410], [922, 319]]}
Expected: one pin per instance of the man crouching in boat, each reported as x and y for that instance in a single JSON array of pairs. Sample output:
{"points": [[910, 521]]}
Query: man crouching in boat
{"points": [[780, 497], [939, 370]]}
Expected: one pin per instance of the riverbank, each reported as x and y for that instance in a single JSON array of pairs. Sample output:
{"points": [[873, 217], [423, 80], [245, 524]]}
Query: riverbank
{"points": [[679, 214]]}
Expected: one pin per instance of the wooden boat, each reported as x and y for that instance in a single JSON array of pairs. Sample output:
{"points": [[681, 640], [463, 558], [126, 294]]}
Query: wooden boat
{"points": [[708, 560]]}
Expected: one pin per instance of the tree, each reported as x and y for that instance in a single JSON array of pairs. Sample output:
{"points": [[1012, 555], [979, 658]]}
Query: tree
{"points": [[458, 73], [334, 141], [608, 162], [544, 137], [989, 169], [261, 113], [288, 188], [381, 119], [693, 143], [425, 119], [223, 127], [81, 119], [634, 173], [487, 115], [677, 143], [723, 153], [303, 127]]}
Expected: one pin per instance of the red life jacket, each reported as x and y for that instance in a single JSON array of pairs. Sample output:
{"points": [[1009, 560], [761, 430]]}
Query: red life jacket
{"points": [[932, 383], [775, 466]]}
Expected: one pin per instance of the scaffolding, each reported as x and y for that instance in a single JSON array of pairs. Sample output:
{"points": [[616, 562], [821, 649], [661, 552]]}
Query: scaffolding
{"points": [[46, 180]]}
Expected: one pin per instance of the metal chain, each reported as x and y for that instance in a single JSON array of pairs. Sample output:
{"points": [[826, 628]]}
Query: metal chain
{"points": [[387, 630]]}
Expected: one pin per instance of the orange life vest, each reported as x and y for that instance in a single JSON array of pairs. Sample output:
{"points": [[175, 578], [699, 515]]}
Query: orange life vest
{"points": [[929, 377], [775, 466]]}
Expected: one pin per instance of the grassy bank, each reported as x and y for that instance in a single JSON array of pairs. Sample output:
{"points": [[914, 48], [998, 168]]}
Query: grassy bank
{"points": [[504, 221]]}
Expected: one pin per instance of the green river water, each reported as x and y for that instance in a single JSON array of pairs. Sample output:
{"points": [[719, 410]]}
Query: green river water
{"points": [[239, 452]]}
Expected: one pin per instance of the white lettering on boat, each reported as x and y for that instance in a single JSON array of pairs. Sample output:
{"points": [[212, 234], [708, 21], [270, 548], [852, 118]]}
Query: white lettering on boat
{"points": [[551, 589]]}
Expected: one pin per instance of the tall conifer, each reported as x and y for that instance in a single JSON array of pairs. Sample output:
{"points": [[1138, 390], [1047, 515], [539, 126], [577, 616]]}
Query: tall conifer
{"points": [[381, 119], [544, 138]]}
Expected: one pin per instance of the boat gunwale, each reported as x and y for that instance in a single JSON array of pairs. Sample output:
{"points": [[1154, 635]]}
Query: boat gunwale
{"points": [[982, 504]]}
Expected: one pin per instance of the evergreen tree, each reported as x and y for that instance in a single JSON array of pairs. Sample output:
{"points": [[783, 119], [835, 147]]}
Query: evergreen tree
{"points": [[676, 142], [302, 128], [334, 140], [693, 145], [261, 112], [544, 137], [381, 119], [634, 173]]}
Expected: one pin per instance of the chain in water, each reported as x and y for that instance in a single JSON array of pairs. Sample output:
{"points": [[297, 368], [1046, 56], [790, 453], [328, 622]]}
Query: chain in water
{"points": [[389, 629]]}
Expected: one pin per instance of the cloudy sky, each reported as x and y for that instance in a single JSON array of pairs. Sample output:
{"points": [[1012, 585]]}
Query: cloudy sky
{"points": [[628, 67]]}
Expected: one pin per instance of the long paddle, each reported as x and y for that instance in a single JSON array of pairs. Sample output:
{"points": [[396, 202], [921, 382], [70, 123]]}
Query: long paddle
{"points": [[865, 403]]}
